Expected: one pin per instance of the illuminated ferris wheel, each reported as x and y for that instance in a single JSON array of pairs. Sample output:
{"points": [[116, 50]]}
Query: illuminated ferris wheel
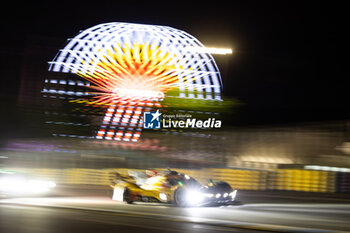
{"points": [[131, 67]]}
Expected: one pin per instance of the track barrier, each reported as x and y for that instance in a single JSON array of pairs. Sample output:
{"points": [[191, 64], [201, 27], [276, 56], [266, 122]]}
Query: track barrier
{"points": [[243, 179]]}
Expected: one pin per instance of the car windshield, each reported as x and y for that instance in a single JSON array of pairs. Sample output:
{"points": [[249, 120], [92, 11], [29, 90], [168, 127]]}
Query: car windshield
{"points": [[181, 179], [189, 181]]}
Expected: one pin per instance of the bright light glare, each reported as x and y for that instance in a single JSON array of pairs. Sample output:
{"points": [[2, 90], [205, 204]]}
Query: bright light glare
{"points": [[138, 93], [118, 194], [326, 168], [233, 194], [20, 186], [194, 197], [210, 195], [11, 184], [222, 51], [41, 183], [163, 196]]}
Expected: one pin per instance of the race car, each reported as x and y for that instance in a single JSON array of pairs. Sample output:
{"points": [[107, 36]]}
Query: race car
{"points": [[170, 187]]}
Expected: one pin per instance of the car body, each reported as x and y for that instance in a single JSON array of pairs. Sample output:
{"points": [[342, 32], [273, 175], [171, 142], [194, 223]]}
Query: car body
{"points": [[218, 192], [170, 187]]}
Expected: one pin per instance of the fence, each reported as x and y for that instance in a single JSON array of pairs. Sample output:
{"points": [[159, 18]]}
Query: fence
{"points": [[277, 179]]}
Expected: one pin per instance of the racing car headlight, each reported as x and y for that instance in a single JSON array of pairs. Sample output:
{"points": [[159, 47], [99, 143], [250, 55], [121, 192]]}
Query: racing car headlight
{"points": [[194, 197], [233, 194], [210, 195]]}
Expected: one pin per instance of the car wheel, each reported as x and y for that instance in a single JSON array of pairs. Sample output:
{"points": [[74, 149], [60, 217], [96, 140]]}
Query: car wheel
{"points": [[127, 196], [180, 197]]}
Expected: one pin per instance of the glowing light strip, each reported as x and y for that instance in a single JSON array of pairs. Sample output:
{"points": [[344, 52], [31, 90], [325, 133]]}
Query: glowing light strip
{"points": [[222, 51]]}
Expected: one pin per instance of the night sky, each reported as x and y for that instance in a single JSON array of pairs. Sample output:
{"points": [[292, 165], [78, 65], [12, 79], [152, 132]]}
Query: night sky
{"points": [[284, 68]]}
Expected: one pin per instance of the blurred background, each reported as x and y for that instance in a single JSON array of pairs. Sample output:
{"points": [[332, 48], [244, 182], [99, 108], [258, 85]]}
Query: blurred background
{"points": [[287, 105], [284, 142]]}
